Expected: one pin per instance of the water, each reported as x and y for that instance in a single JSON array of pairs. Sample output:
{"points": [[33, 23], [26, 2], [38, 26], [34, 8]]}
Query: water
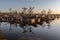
{"points": [[45, 31]]}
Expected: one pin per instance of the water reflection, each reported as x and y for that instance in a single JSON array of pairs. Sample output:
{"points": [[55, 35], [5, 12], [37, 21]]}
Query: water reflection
{"points": [[15, 30], [15, 25], [28, 28]]}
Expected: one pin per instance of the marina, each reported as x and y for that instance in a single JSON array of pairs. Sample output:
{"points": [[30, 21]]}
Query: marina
{"points": [[29, 19], [26, 32]]}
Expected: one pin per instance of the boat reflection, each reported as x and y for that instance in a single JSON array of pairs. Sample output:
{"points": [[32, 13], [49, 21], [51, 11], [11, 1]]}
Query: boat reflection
{"points": [[28, 28], [14, 29]]}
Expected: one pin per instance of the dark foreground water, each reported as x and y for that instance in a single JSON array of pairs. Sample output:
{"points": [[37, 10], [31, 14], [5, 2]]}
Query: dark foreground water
{"points": [[41, 32]]}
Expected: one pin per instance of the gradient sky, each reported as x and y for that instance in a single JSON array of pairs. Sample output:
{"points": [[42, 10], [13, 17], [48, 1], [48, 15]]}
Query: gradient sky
{"points": [[38, 4]]}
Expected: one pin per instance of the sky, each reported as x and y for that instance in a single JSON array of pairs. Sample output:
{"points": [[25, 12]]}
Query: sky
{"points": [[38, 4]]}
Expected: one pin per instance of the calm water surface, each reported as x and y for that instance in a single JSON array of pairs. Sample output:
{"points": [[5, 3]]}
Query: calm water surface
{"points": [[45, 31]]}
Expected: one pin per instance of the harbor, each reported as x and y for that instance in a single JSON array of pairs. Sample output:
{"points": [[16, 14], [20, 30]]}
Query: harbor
{"points": [[29, 19], [19, 32], [20, 24]]}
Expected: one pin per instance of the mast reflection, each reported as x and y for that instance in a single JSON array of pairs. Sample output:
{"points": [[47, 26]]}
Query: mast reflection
{"points": [[28, 28]]}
